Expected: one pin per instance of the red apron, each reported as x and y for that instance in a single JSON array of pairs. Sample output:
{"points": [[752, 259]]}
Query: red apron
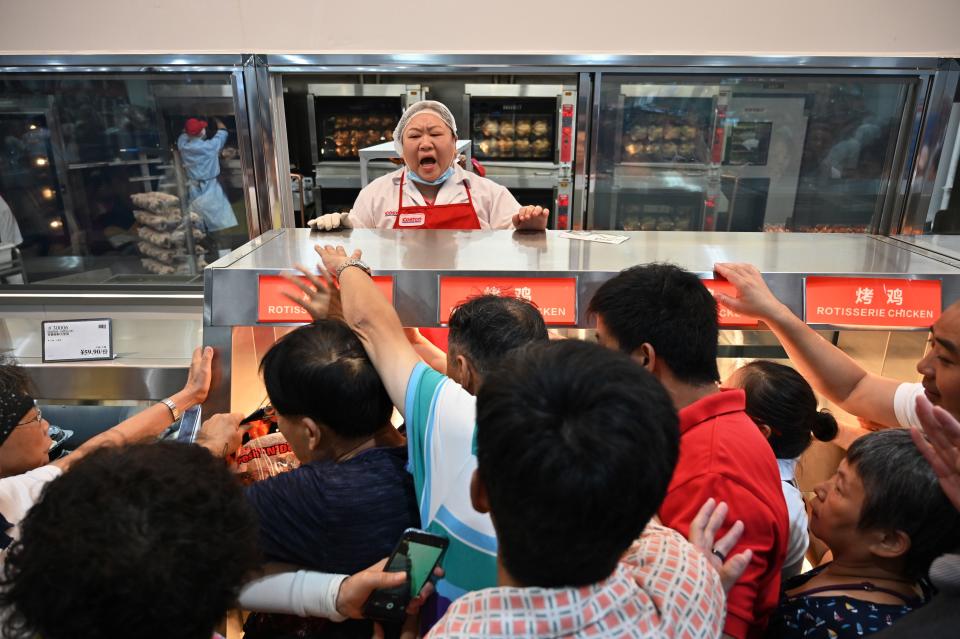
{"points": [[436, 216]]}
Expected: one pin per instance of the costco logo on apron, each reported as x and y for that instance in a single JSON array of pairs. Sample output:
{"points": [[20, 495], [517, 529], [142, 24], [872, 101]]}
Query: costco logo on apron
{"points": [[411, 219]]}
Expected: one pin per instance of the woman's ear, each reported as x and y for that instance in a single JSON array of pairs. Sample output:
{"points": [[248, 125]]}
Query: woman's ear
{"points": [[890, 544], [766, 430]]}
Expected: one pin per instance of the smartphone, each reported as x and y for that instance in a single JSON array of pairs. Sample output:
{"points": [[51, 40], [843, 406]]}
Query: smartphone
{"points": [[417, 553]]}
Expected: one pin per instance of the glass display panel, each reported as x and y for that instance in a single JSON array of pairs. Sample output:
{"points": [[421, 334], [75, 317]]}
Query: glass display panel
{"points": [[89, 179], [513, 128], [744, 153], [347, 124]]}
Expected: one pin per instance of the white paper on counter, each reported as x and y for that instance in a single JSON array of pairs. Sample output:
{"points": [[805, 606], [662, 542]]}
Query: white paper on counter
{"points": [[589, 236]]}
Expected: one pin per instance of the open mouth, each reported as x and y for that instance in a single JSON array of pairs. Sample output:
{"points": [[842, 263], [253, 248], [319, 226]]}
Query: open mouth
{"points": [[428, 162]]}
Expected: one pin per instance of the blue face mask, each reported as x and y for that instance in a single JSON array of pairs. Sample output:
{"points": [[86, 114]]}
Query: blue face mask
{"points": [[440, 180]]}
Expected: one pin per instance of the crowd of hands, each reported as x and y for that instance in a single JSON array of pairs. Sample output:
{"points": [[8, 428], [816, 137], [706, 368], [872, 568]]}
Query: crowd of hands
{"points": [[939, 441]]}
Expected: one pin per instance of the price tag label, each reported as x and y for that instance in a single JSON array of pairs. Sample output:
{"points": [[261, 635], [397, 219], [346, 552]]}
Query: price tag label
{"points": [[77, 340], [555, 297], [868, 301]]}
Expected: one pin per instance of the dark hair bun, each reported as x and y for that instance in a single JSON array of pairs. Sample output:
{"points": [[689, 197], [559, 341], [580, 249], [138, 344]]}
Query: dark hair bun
{"points": [[825, 426]]}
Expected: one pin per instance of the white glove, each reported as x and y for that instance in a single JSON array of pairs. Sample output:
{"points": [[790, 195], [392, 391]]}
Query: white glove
{"points": [[330, 222]]}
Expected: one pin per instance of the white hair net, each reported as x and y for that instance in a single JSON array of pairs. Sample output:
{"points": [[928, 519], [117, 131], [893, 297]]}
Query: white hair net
{"points": [[418, 107]]}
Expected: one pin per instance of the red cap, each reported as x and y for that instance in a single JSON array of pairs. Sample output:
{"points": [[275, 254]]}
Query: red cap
{"points": [[194, 126]]}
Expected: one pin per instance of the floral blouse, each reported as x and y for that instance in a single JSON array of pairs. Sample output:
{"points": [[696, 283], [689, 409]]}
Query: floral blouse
{"points": [[804, 616]]}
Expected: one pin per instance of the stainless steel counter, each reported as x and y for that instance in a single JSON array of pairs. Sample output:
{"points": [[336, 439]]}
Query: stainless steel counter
{"points": [[935, 246], [416, 258]]}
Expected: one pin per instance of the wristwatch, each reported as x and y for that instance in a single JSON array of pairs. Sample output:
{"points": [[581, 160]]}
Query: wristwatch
{"points": [[360, 264], [173, 408]]}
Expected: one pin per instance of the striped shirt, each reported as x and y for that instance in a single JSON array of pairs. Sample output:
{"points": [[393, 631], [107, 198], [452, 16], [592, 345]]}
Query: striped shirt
{"points": [[441, 420], [662, 588]]}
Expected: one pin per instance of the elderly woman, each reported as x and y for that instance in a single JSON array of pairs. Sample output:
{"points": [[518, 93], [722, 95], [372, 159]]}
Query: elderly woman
{"points": [[885, 518], [431, 191], [25, 467]]}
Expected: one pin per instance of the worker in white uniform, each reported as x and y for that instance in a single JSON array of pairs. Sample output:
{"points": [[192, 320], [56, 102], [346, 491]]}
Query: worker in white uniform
{"points": [[431, 191], [201, 162]]}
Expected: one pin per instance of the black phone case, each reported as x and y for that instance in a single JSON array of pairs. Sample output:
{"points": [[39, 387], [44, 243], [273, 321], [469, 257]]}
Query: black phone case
{"points": [[390, 604]]}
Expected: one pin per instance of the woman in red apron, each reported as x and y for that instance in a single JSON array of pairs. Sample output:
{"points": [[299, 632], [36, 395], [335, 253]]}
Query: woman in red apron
{"points": [[431, 191]]}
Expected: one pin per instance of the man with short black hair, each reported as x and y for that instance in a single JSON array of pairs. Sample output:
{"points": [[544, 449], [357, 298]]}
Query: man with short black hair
{"points": [[666, 320], [484, 329], [563, 429], [351, 498], [439, 411]]}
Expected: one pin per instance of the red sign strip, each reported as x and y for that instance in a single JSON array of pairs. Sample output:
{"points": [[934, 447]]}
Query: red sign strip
{"points": [[877, 302], [726, 316], [556, 297], [274, 307]]}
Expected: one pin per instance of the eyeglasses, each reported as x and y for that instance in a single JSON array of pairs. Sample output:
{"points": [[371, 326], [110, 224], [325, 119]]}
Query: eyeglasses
{"points": [[34, 419]]}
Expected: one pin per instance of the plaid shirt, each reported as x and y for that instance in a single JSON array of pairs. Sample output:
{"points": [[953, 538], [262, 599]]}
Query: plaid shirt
{"points": [[663, 587]]}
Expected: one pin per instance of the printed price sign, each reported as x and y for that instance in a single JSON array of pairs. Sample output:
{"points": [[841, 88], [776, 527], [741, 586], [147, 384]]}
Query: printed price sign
{"points": [[725, 316], [555, 297], [77, 340], [866, 301], [274, 306]]}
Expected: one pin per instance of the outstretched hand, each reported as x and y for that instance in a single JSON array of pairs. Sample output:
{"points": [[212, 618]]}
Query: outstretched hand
{"points": [[333, 257], [321, 297], [941, 446], [200, 375], [222, 434], [754, 297], [531, 218], [703, 530]]}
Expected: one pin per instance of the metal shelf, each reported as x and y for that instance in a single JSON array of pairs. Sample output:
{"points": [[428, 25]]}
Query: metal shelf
{"points": [[90, 165], [415, 259]]}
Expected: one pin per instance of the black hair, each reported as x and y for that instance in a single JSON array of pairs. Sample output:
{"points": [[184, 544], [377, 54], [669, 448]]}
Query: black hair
{"points": [[901, 492], [667, 307], [13, 377], [576, 445], [321, 371], [781, 398], [154, 539], [487, 327]]}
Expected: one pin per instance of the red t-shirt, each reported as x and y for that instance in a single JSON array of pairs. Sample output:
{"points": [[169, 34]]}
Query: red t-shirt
{"points": [[725, 456]]}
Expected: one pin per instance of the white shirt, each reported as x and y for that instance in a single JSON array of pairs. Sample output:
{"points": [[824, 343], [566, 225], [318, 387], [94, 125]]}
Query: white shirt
{"points": [[905, 404], [796, 511], [19, 493], [376, 206]]}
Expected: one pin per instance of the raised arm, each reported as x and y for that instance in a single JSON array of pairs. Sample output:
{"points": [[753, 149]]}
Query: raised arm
{"points": [[375, 322], [829, 370], [151, 422]]}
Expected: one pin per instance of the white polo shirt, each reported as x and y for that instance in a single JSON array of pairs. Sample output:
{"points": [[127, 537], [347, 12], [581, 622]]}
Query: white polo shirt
{"points": [[376, 206]]}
